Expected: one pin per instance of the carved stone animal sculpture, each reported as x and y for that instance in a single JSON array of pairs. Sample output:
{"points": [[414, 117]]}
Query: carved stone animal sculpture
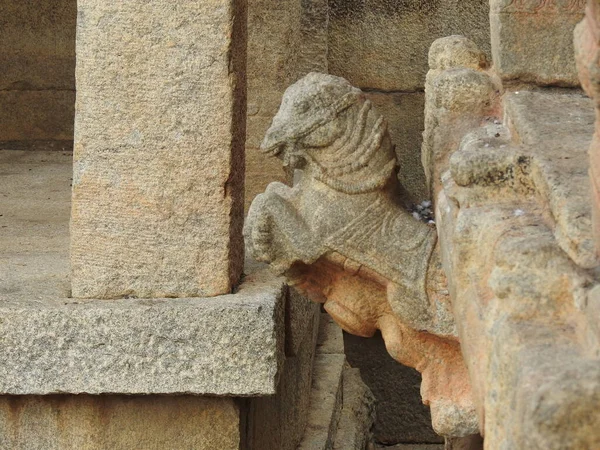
{"points": [[341, 236]]}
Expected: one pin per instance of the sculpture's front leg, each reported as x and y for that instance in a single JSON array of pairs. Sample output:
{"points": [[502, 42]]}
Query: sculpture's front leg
{"points": [[275, 233]]}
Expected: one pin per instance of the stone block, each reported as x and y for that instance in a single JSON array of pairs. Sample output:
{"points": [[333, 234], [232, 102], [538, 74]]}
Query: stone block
{"points": [[532, 40], [331, 338], [519, 189], [587, 51], [159, 149], [37, 45], [84, 422], [556, 130], [302, 318], [459, 94], [229, 345], [409, 447], [325, 401], [383, 44], [36, 115], [358, 413], [278, 422]]}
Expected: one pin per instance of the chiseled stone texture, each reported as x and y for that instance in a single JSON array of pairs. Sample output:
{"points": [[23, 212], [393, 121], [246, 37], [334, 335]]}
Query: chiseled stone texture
{"points": [[383, 44], [278, 422], [517, 187], [37, 80], [85, 422], [532, 40], [459, 93], [404, 112], [342, 238], [159, 149], [228, 345]]}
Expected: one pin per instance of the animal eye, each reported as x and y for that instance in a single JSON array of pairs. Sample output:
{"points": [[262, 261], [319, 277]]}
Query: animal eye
{"points": [[302, 107]]}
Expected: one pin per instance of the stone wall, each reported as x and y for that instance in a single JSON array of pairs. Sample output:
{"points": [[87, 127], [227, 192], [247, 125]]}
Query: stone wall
{"points": [[37, 80], [86, 422], [381, 46], [286, 39]]}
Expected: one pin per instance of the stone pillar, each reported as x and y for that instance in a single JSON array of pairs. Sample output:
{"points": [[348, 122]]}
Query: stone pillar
{"points": [[159, 148], [532, 40], [587, 52]]}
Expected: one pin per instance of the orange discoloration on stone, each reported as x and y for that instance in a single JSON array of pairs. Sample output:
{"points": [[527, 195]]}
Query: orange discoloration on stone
{"points": [[358, 302]]}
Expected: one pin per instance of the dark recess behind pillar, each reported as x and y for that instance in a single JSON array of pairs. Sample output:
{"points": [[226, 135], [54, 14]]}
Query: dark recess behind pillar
{"points": [[37, 80], [401, 415]]}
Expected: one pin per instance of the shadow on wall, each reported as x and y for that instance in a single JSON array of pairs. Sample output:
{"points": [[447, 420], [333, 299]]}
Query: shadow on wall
{"points": [[37, 80], [401, 415]]}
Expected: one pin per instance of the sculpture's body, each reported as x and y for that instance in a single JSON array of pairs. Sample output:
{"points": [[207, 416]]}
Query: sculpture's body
{"points": [[341, 236]]}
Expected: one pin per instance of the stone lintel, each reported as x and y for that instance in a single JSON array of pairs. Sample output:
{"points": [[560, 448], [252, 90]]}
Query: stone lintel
{"points": [[232, 345]]}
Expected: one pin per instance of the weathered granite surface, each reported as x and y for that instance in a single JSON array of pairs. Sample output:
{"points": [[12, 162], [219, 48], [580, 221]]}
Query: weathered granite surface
{"points": [[159, 149], [341, 406], [459, 92], [587, 53], [514, 220], [382, 44], [85, 422], [401, 415], [286, 40], [279, 421], [532, 40], [51, 343], [227, 345], [358, 413], [326, 402]]}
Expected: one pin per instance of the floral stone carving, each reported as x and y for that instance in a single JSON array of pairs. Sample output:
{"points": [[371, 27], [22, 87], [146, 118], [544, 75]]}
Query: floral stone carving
{"points": [[341, 236]]}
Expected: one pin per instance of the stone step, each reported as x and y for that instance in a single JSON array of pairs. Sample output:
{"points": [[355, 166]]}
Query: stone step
{"points": [[555, 127], [341, 405], [541, 148], [358, 413], [325, 403]]}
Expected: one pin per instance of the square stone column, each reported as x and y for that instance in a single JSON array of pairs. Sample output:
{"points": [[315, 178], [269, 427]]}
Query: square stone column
{"points": [[159, 148]]}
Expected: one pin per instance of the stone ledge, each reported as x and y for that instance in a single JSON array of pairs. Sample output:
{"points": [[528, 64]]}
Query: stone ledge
{"points": [[230, 345]]}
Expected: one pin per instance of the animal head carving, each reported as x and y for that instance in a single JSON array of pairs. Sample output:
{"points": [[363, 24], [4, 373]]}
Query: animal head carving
{"points": [[329, 128]]}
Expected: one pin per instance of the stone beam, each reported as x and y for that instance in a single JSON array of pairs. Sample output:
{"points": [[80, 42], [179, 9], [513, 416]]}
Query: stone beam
{"points": [[159, 148], [232, 345]]}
